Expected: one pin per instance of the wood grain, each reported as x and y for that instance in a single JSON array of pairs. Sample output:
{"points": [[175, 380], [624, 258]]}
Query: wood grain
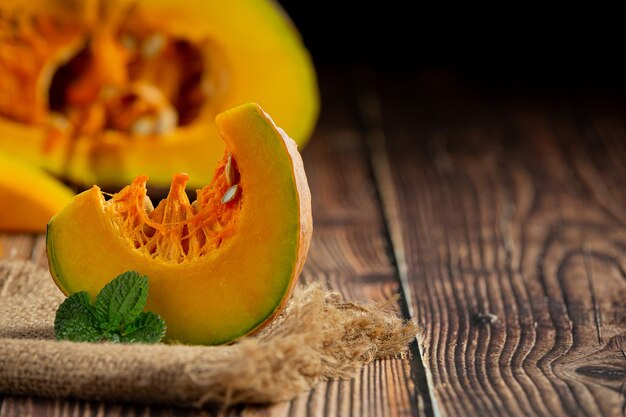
{"points": [[349, 254], [508, 217]]}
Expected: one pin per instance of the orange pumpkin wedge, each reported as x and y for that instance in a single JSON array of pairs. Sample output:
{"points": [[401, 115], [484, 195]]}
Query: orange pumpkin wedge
{"points": [[218, 268], [28, 196]]}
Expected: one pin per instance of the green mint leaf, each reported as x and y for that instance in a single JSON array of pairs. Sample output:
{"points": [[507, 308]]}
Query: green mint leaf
{"points": [[146, 328], [116, 317], [121, 300], [76, 321]]}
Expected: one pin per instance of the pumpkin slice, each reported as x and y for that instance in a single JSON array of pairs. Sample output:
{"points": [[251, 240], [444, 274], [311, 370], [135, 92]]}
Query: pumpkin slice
{"points": [[105, 90], [28, 197], [219, 267]]}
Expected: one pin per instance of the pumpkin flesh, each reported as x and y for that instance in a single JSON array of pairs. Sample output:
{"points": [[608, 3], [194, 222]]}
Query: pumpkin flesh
{"points": [[216, 271]]}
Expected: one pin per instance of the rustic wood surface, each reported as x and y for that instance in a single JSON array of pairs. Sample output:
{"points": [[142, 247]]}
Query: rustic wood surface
{"points": [[499, 215]]}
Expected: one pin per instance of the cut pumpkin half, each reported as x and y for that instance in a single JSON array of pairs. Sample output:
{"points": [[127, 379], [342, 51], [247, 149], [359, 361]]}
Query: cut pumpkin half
{"points": [[101, 91]]}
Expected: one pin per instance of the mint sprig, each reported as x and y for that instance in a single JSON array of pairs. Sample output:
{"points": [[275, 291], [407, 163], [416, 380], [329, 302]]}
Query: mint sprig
{"points": [[117, 315]]}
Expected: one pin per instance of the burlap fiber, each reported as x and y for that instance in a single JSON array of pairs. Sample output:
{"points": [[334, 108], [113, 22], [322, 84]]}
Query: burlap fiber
{"points": [[318, 336]]}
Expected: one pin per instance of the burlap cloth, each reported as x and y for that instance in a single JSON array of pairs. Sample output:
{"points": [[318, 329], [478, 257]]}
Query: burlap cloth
{"points": [[318, 336]]}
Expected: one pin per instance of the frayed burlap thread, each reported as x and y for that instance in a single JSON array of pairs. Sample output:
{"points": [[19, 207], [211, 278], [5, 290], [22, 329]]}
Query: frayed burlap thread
{"points": [[318, 336]]}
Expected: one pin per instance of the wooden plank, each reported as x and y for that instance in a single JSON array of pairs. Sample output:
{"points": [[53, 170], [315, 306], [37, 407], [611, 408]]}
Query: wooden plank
{"points": [[28, 406], [17, 246], [508, 213], [348, 254]]}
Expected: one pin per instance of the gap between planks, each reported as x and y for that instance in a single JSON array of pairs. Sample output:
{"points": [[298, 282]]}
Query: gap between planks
{"points": [[371, 119]]}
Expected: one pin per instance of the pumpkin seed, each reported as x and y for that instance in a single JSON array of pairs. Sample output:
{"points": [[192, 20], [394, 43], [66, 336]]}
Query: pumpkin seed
{"points": [[229, 171], [147, 204], [153, 45], [58, 121], [143, 126], [166, 121], [230, 194]]}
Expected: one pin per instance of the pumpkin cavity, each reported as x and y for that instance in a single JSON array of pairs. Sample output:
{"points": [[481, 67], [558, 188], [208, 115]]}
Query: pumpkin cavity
{"points": [[141, 84], [177, 231]]}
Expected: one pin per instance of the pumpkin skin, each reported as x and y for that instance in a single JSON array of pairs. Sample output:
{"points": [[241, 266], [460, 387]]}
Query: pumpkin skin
{"points": [[233, 289], [250, 52], [28, 197]]}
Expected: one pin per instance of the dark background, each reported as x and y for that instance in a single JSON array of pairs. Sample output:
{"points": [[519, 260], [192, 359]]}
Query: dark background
{"points": [[523, 44]]}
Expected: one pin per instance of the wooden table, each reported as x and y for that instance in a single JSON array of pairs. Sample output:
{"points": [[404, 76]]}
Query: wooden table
{"points": [[499, 215]]}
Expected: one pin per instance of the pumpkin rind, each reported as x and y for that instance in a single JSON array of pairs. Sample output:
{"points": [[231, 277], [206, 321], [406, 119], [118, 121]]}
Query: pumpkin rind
{"points": [[234, 289]]}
